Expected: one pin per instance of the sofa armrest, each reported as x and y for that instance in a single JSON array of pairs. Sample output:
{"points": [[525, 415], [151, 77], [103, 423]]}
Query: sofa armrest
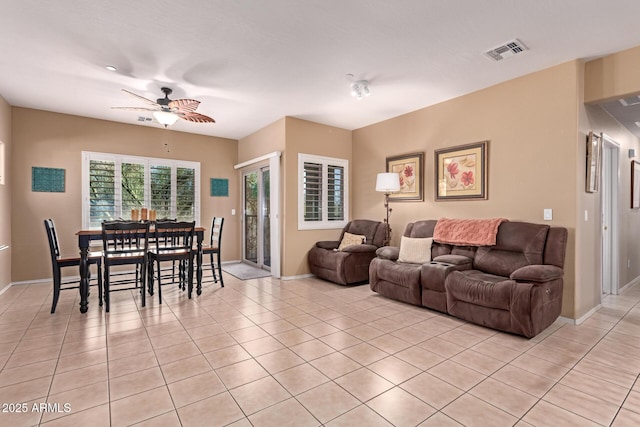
{"points": [[360, 248], [455, 260], [537, 273], [388, 252], [330, 245]]}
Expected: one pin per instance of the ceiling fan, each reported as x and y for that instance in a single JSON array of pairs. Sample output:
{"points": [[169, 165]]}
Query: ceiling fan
{"points": [[167, 111]]}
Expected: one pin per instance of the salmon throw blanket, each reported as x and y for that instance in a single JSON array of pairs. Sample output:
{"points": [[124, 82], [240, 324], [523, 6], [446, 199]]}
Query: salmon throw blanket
{"points": [[470, 232]]}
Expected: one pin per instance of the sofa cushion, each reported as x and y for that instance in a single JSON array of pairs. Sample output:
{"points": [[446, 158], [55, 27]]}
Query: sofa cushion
{"points": [[349, 239], [478, 288], [518, 244], [416, 250], [402, 274]]}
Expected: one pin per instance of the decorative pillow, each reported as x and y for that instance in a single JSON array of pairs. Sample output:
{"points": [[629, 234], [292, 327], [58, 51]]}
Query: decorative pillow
{"points": [[415, 250], [349, 239]]}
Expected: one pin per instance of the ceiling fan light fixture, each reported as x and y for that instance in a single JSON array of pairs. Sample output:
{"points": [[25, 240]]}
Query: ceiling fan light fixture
{"points": [[360, 89], [165, 118]]}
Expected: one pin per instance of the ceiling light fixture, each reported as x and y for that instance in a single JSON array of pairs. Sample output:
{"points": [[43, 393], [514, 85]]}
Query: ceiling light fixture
{"points": [[165, 118], [360, 89], [110, 68]]}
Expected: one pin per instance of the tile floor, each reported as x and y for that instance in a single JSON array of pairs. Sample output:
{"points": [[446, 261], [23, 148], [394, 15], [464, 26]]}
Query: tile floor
{"points": [[305, 353]]}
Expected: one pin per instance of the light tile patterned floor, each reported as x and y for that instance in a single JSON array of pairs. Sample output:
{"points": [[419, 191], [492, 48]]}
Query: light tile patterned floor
{"points": [[305, 353]]}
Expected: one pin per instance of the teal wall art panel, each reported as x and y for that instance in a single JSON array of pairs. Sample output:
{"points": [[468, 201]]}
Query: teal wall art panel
{"points": [[219, 187], [49, 180]]}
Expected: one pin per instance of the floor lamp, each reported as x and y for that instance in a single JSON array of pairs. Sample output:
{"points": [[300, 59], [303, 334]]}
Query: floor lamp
{"points": [[387, 183]]}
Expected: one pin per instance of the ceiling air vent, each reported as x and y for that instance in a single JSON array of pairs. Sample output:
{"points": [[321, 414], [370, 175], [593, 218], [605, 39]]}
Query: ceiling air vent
{"points": [[506, 50], [144, 119], [632, 100]]}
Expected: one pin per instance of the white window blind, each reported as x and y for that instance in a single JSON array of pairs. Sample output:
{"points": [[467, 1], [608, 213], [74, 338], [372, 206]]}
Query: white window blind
{"points": [[323, 192], [113, 185]]}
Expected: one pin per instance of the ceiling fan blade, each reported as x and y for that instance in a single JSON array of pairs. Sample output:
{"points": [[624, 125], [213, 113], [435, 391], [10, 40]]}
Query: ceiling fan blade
{"points": [[184, 105], [195, 117], [135, 108], [140, 98]]}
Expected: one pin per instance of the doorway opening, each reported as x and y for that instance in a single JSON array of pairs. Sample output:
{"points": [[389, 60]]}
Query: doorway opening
{"points": [[256, 219], [609, 209]]}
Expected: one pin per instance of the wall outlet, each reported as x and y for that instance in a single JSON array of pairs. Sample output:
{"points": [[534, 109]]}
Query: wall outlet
{"points": [[233, 211], [547, 214]]}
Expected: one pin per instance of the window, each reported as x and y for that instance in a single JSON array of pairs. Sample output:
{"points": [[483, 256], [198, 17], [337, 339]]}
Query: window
{"points": [[323, 200], [113, 185]]}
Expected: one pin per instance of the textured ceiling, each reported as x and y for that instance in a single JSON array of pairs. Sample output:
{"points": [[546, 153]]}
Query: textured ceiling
{"points": [[253, 62]]}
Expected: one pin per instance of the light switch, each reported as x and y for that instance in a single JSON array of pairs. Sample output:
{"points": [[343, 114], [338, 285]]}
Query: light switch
{"points": [[548, 214], [233, 211]]}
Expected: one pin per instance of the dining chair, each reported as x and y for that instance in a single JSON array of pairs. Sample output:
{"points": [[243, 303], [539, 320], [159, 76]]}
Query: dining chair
{"points": [[213, 248], [58, 262], [125, 243], [172, 241]]}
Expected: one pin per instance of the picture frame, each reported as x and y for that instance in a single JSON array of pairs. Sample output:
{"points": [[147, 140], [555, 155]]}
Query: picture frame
{"points": [[594, 162], [410, 168], [635, 184], [461, 173]]}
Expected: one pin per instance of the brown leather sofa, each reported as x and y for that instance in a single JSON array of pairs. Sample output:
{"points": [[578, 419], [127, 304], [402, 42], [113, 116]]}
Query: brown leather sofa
{"points": [[514, 286], [350, 265]]}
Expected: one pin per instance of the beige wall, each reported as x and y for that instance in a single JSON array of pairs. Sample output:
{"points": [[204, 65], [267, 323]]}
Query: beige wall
{"points": [[267, 140], [530, 123], [613, 76], [56, 140], [320, 140], [292, 136], [5, 194]]}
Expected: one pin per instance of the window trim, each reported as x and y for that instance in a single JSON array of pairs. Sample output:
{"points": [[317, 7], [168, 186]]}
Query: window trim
{"points": [[325, 223], [118, 159]]}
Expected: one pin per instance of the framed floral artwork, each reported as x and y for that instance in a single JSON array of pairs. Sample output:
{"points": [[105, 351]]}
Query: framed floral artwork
{"points": [[461, 172], [411, 171]]}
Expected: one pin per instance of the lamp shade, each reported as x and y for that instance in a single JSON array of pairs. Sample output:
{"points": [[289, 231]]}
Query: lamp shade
{"points": [[388, 182], [165, 117]]}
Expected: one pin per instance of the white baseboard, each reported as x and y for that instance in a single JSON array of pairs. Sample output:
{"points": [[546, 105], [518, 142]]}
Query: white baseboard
{"points": [[301, 276], [31, 282], [628, 285], [588, 314], [3, 290]]}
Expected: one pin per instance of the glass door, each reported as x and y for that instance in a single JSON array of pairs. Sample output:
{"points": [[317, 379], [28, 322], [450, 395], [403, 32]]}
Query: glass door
{"points": [[256, 218]]}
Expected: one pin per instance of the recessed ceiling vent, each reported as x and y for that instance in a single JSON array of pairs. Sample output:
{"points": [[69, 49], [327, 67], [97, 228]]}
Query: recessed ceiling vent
{"points": [[144, 119], [632, 100], [506, 50]]}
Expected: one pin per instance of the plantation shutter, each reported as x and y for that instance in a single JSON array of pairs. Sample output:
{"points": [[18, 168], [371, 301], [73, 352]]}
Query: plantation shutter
{"points": [[185, 194], [102, 193], [312, 190], [335, 193], [161, 191]]}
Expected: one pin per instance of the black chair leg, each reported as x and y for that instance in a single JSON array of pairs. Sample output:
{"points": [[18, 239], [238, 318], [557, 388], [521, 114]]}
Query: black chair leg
{"points": [[56, 290], [159, 283], [220, 270], [106, 288], [100, 282]]}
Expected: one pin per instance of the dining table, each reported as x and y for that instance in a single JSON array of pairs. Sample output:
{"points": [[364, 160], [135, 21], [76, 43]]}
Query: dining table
{"points": [[85, 236]]}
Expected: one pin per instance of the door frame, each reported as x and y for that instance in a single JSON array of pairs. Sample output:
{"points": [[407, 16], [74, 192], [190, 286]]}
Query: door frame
{"points": [[274, 185], [610, 215], [260, 222]]}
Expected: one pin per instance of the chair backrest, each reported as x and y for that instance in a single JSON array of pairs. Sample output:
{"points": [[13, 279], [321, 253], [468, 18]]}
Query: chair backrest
{"points": [[54, 247], [216, 231], [121, 238], [173, 235], [373, 230]]}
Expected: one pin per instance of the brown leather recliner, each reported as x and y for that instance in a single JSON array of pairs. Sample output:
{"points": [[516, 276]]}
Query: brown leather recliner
{"points": [[350, 265]]}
